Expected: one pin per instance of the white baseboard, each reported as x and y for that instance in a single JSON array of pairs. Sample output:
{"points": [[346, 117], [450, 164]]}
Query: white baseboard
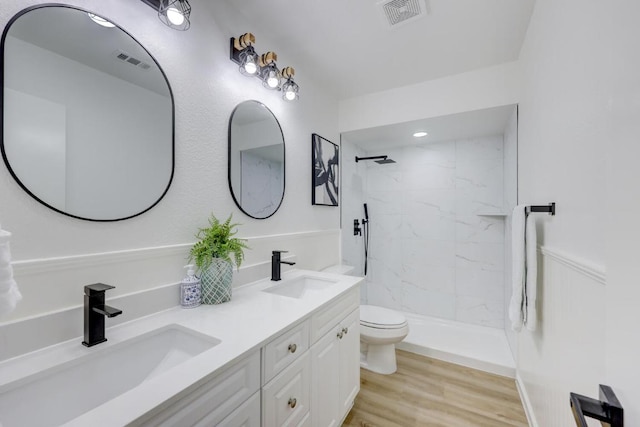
{"points": [[526, 403]]}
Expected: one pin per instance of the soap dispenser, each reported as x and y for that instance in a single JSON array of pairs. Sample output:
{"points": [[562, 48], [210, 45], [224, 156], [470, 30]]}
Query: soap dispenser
{"points": [[190, 290]]}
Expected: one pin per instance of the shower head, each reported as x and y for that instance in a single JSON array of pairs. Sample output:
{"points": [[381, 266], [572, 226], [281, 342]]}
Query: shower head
{"points": [[378, 159], [385, 161]]}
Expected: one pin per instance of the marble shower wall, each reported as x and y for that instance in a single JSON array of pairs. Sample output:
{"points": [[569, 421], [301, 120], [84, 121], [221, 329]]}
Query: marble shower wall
{"points": [[437, 245], [353, 196]]}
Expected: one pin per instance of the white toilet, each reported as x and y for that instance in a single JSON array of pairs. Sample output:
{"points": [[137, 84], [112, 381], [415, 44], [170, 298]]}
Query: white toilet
{"points": [[380, 330]]}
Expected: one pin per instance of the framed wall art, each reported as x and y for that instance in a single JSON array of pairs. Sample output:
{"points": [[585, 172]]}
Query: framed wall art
{"points": [[325, 161]]}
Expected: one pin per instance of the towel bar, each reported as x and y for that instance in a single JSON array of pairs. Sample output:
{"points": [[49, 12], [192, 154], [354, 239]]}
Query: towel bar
{"points": [[607, 410], [550, 209]]}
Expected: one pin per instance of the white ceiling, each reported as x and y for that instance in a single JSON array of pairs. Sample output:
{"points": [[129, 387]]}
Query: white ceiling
{"points": [[490, 121], [70, 33], [353, 52]]}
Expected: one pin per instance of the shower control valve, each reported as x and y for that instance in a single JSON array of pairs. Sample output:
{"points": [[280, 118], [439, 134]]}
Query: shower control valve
{"points": [[357, 231]]}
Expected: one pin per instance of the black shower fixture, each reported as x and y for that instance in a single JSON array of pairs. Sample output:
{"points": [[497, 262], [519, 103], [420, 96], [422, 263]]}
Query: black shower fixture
{"points": [[382, 160]]}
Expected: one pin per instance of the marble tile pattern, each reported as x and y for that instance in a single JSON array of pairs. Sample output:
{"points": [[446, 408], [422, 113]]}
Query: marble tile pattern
{"points": [[431, 251], [510, 202], [262, 184], [352, 193]]}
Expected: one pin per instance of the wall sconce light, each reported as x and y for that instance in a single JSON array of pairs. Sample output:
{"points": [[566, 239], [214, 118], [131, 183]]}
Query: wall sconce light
{"points": [[289, 87], [173, 13], [262, 66]]}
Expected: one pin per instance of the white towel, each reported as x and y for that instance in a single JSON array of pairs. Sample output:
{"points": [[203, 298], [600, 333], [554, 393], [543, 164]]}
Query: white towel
{"points": [[516, 312], [531, 284], [9, 293]]}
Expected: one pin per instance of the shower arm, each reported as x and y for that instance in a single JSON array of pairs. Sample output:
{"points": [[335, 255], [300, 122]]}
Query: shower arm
{"points": [[371, 158]]}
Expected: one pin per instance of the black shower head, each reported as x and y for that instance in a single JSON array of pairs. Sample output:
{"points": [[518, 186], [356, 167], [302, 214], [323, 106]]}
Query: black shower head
{"points": [[385, 161], [378, 159]]}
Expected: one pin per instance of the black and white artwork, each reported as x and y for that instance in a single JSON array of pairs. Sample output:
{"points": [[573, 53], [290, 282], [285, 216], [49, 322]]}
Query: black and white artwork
{"points": [[325, 162]]}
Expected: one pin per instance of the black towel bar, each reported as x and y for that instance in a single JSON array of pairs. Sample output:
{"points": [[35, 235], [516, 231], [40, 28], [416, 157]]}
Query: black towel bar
{"points": [[550, 209], [607, 410]]}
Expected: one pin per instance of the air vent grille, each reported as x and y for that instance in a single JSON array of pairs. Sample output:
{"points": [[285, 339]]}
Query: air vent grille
{"points": [[401, 11], [126, 58]]}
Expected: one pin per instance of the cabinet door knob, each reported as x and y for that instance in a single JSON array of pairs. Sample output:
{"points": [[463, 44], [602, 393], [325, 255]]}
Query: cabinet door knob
{"points": [[345, 330], [340, 334], [293, 402], [292, 348]]}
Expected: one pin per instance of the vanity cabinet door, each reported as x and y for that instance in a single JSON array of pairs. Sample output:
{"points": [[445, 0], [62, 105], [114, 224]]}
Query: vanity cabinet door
{"points": [[349, 362], [336, 372], [325, 380], [286, 398]]}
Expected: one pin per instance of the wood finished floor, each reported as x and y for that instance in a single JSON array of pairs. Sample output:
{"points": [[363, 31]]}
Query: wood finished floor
{"points": [[429, 392]]}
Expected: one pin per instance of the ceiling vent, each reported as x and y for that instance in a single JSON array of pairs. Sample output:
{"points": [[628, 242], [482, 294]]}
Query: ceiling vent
{"points": [[125, 57], [397, 12]]}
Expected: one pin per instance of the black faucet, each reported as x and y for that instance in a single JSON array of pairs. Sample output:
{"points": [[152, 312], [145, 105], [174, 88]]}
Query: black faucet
{"points": [[94, 312], [276, 261]]}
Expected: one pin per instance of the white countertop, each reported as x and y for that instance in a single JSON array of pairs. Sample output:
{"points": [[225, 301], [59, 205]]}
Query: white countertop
{"points": [[242, 325]]}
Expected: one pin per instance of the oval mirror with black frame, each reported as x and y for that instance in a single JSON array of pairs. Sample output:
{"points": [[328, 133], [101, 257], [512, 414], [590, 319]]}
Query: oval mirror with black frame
{"points": [[256, 160], [87, 128]]}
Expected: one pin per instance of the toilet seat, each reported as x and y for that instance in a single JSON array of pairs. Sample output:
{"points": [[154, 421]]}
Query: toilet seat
{"points": [[381, 318]]}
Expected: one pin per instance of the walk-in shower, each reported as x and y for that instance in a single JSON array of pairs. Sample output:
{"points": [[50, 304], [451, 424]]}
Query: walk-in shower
{"points": [[433, 239]]}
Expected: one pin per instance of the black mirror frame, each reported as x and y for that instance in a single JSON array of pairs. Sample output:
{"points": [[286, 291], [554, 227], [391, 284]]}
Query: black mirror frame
{"points": [[2, 148], [284, 161]]}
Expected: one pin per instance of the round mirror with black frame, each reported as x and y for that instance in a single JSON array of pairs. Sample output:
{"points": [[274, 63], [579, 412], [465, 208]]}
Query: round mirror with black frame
{"points": [[256, 160], [88, 114]]}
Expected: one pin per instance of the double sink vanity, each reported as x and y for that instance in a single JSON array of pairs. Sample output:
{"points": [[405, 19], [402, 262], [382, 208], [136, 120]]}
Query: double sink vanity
{"points": [[279, 354]]}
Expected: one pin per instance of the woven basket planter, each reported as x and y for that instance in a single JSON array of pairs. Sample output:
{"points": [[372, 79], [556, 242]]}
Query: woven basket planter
{"points": [[216, 282]]}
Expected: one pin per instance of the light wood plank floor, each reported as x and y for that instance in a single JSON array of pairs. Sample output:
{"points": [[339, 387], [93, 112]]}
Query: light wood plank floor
{"points": [[427, 392]]}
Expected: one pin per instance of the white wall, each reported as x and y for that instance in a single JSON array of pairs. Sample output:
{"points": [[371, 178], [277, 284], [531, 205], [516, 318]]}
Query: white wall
{"points": [[578, 147], [475, 90], [125, 166], [206, 87], [623, 205]]}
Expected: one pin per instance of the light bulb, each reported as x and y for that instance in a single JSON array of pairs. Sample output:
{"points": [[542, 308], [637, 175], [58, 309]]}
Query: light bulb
{"points": [[250, 67], [272, 81], [290, 95], [175, 16], [419, 134], [100, 20]]}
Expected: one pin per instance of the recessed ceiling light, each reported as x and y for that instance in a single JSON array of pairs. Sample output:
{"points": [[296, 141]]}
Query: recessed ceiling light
{"points": [[420, 134], [100, 20]]}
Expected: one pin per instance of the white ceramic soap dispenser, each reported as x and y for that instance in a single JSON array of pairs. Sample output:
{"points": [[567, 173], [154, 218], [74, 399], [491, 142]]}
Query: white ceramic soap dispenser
{"points": [[190, 290]]}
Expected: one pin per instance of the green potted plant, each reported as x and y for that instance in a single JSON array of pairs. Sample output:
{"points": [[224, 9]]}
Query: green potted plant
{"points": [[212, 256]]}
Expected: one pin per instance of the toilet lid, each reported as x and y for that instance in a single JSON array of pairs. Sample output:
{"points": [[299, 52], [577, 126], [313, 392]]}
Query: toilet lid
{"points": [[380, 317]]}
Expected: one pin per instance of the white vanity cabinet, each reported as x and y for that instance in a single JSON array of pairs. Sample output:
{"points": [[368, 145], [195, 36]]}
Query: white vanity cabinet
{"points": [[215, 401], [335, 366], [335, 360], [320, 383], [308, 375]]}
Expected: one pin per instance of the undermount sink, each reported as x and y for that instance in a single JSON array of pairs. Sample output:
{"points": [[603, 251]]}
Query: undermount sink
{"points": [[63, 392], [300, 287]]}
